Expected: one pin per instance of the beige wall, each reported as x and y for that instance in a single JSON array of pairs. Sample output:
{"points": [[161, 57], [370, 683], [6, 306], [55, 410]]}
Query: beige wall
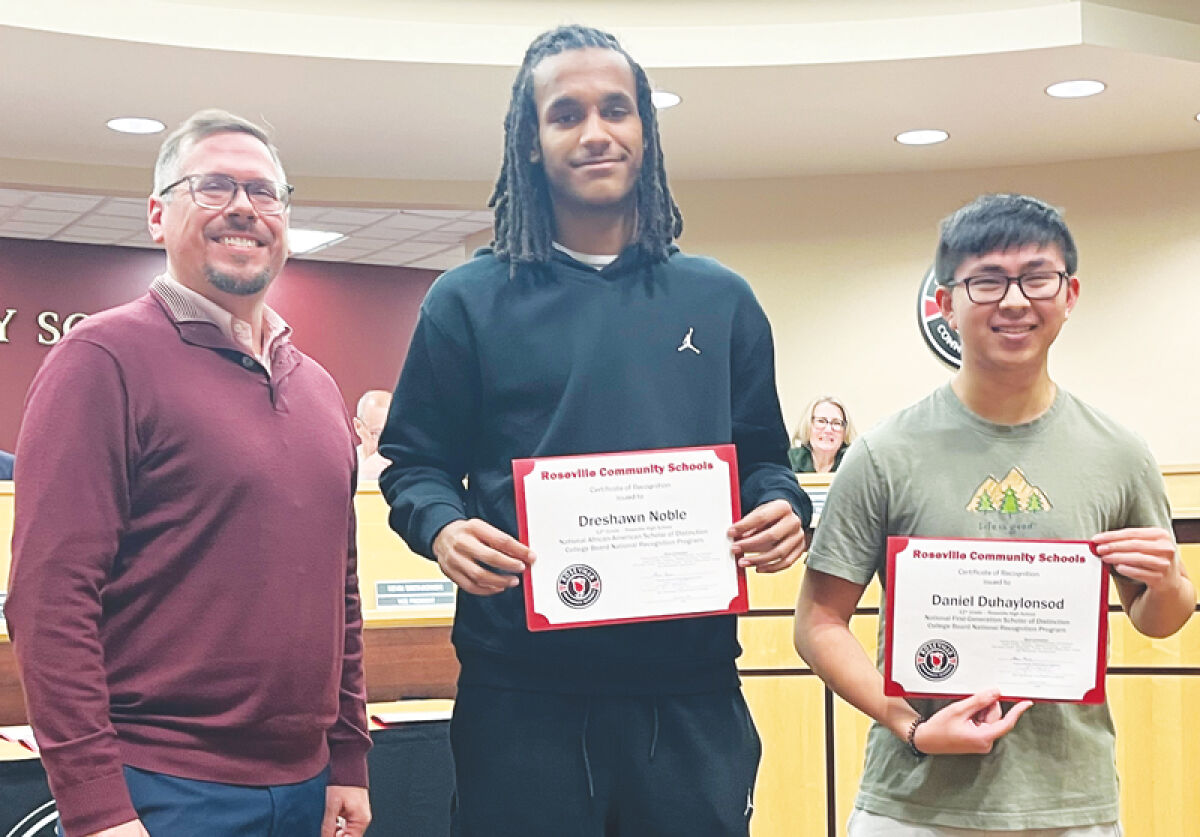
{"points": [[837, 262]]}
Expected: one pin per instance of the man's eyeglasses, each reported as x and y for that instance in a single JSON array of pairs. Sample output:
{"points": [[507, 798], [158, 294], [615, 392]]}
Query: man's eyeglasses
{"points": [[993, 287], [823, 423], [217, 191]]}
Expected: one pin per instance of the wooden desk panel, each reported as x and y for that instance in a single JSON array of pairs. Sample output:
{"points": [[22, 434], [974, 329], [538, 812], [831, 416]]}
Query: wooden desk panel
{"points": [[850, 744], [1183, 490], [1158, 753], [383, 556], [409, 661], [775, 591], [789, 797], [1128, 648], [767, 644]]}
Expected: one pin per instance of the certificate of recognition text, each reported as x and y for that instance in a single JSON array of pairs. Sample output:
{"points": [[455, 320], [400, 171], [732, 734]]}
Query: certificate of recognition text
{"points": [[1026, 617], [626, 537]]}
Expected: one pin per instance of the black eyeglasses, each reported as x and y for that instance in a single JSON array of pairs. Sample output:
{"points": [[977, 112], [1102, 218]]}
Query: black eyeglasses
{"points": [[822, 422], [993, 287], [217, 191]]}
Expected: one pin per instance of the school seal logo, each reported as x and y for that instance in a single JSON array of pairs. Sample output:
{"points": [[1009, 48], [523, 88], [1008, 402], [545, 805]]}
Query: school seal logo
{"points": [[578, 586], [942, 340], [936, 659]]}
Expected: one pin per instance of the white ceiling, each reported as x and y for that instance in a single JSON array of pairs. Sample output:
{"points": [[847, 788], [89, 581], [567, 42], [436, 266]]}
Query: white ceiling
{"points": [[384, 108]]}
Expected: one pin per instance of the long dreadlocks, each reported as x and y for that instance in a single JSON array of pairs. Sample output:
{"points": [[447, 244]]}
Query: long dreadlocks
{"points": [[524, 227]]}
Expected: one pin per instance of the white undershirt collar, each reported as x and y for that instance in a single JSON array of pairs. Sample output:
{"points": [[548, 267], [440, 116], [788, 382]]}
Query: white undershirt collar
{"points": [[590, 259]]}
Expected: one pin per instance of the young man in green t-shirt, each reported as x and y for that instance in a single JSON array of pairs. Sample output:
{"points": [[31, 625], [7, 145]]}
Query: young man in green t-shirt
{"points": [[1005, 266]]}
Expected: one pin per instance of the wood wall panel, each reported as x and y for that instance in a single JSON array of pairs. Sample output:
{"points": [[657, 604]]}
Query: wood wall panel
{"points": [[850, 745], [789, 798], [1158, 753], [775, 591], [767, 644], [1127, 647], [1183, 490]]}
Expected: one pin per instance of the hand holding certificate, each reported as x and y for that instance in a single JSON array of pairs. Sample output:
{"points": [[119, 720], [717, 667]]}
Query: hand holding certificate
{"points": [[1027, 617], [628, 537]]}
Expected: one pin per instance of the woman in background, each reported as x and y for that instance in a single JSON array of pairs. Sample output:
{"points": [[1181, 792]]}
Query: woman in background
{"points": [[822, 437]]}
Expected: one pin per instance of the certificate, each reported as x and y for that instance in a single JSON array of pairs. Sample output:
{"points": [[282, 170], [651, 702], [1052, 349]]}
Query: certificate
{"points": [[629, 537], [1026, 617]]}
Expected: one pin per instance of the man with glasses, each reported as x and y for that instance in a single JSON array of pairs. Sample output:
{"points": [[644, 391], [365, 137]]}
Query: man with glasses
{"points": [[934, 768], [184, 600]]}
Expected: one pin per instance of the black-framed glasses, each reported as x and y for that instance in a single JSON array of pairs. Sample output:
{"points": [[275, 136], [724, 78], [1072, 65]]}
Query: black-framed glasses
{"points": [[993, 287], [217, 191], [822, 423]]}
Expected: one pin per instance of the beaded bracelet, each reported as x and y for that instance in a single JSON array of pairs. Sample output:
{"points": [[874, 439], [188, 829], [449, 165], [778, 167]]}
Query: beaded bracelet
{"points": [[912, 735]]}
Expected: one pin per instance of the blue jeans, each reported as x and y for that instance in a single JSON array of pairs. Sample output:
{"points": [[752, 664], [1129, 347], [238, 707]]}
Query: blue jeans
{"points": [[169, 806]]}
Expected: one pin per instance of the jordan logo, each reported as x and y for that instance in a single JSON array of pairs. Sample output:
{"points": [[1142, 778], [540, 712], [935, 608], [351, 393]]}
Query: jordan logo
{"points": [[687, 342]]}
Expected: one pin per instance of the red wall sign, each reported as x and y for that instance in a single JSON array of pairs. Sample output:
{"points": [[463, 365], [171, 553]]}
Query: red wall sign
{"points": [[356, 320]]}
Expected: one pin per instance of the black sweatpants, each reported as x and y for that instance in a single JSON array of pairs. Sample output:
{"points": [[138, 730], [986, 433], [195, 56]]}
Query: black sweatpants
{"points": [[530, 764]]}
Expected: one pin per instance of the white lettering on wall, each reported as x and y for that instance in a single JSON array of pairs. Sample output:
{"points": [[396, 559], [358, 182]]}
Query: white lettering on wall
{"points": [[49, 323], [52, 326]]}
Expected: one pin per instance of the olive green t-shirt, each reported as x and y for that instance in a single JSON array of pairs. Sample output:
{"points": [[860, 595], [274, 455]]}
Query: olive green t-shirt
{"points": [[932, 470]]}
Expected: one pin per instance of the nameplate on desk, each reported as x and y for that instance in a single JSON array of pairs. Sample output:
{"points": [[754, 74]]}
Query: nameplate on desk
{"points": [[391, 719], [414, 594], [817, 496]]}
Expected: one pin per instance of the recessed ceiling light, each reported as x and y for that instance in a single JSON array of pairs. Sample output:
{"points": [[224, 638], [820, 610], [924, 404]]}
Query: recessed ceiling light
{"points": [[924, 136], [1077, 89], [664, 99], [309, 241], [135, 125]]}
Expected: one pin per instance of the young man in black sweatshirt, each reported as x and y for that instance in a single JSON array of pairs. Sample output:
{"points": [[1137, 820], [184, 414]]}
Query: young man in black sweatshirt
{"points": [[582, 330]]}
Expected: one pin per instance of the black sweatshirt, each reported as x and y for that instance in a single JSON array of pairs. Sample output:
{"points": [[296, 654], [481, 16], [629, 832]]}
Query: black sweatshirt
{"points": [[566, 359]]}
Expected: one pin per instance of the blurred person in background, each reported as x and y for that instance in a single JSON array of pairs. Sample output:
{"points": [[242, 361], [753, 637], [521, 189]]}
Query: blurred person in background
{"points": [[822, 437], [369, 418]]}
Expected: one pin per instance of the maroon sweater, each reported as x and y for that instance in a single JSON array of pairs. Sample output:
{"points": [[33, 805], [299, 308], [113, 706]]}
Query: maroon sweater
{"points": [[184, 592]]}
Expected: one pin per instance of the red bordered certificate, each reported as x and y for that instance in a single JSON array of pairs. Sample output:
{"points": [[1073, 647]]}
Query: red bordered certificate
{"points": [[629, 537], [1027, 617]]}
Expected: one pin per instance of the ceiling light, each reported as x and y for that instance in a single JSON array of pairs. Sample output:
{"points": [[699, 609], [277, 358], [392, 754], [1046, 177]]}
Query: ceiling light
{"points": [[664, 99], [309, 241], [1077, 89], [135, 125], [925, 136]]}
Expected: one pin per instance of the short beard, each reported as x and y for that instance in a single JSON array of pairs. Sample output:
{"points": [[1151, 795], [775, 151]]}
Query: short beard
{"points": [[238, 287]]}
